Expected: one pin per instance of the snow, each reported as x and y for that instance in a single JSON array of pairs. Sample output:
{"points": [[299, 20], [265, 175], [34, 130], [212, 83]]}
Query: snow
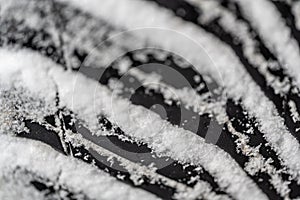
{"points": [[210, 56], [239, 29], [296, 12], [274, 31], [220, 62], [141, 123], [43, 160], [198, 103]]}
